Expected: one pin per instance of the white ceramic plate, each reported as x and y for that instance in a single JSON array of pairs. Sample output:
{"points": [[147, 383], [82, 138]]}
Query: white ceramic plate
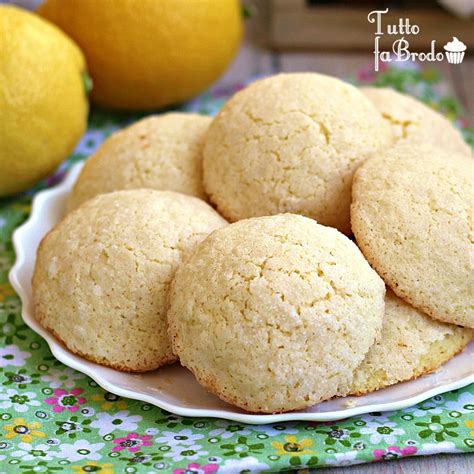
{"points": [[174, 388]]}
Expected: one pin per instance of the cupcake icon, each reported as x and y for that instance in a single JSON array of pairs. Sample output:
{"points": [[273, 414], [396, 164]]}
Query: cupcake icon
{"points": [[455, 51]]}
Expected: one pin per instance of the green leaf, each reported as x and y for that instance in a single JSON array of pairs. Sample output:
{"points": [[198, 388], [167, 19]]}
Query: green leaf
{"points": [[86, 82], [295, 461], [452, 424], [424, 434], [247, 11], [227, 446]]}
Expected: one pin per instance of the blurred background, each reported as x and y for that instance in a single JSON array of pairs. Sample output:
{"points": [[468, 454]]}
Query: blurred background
{"points": [[334, 37]]}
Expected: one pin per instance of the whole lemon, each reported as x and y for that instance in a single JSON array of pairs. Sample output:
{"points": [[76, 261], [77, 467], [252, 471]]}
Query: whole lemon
{"points": [[150, 53], [43, 105]]}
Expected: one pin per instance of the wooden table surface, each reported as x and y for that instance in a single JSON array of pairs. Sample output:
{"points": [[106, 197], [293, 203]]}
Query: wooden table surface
{"points": [[255, 58]]}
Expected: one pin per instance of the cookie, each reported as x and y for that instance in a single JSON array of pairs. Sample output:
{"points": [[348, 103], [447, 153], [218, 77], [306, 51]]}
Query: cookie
{"points": [[273, 314], [291, 143], [161, 152], [412, 218], [414, 122], [102, 274], [412, 344]]}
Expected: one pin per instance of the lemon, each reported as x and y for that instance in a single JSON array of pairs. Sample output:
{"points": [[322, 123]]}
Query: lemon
{"points": [[150, 53], [43, 105]]}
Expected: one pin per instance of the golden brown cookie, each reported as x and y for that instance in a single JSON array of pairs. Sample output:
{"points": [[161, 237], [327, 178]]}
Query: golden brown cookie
{"points": [[411, 344], [274, 313], [291, 143], [414, 122], [161, 152], [412, 217], [102, 274]]}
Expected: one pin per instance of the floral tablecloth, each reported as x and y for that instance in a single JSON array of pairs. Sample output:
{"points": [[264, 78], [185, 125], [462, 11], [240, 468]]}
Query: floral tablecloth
{"points": [[55, 419]]}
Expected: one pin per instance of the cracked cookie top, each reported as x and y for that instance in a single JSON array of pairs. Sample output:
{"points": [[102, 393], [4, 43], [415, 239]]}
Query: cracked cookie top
{"points": [[411, 344], [274, 313], [412, 216], [414, 122], [291, 143], [158, 152], [102, 274]]}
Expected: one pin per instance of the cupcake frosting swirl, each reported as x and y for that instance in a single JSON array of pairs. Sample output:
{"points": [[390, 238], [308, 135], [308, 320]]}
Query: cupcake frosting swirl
{"points": [[455, 45]]}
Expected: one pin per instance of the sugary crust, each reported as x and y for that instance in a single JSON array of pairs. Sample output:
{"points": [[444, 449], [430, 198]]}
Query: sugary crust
{"points": [[412, 344], [291, 143], [412, 218], [419, 372], [414, 122], [161, 152], [134, 367], [273, 314], [102, 275]]}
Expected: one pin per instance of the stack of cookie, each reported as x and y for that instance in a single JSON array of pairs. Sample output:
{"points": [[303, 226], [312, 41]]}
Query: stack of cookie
{"points": [[261, 291]]}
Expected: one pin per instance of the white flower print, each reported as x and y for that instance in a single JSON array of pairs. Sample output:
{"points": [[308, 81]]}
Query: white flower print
{"points": [[248, 464], [79, 451], [433, 406], [62, 378], [108, 423], [90, 142], [190, 453], [345, 459], [435, 448], [12, 355], [276, 429], [28, 452], [152, 431], [183, 437], [87, 412], [382, 432], [377, 416], [466, 398], [19, 401], [228, 429]]}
